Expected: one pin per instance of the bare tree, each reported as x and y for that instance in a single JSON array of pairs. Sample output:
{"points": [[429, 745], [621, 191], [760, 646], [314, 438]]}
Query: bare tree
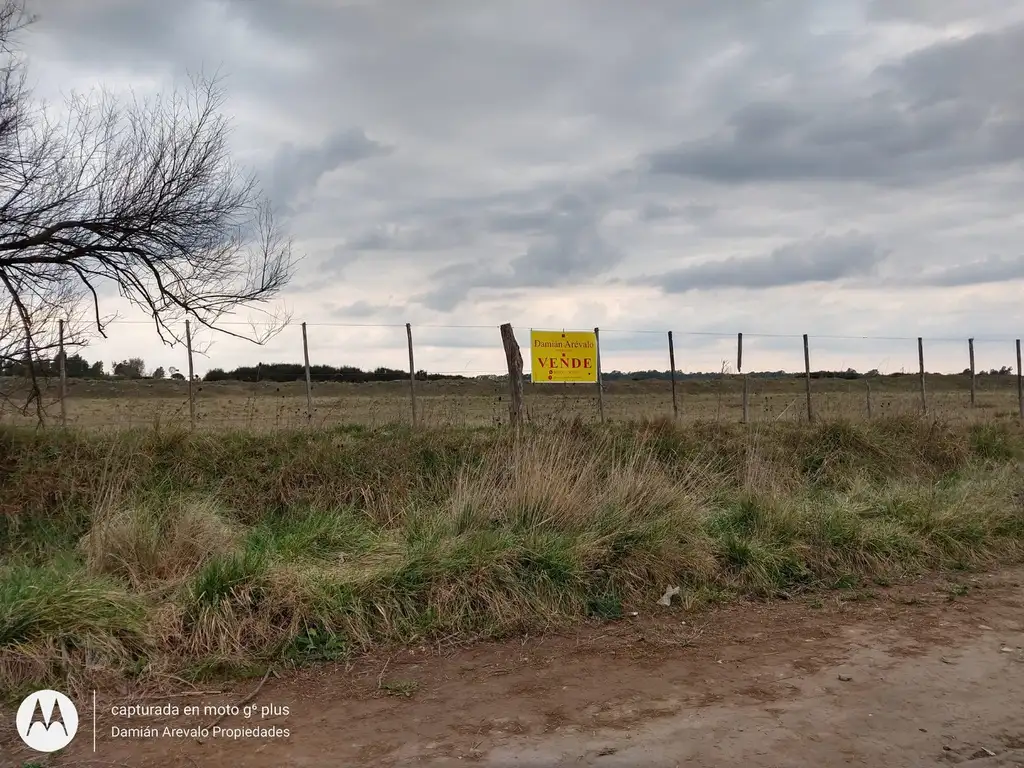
{"points": [[137, 195]]}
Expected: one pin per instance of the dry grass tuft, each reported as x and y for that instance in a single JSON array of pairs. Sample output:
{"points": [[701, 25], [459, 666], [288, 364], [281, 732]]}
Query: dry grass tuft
{"points": [[145, 544], [209, 554]]}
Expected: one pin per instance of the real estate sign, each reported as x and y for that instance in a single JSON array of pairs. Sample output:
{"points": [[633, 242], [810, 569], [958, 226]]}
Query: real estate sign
{"points": [[563, 357]]}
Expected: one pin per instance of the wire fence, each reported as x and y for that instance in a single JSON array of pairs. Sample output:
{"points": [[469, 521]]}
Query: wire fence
{"points": [[439, 375]]}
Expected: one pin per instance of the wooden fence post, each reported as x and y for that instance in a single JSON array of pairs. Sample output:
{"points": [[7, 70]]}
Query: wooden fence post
{"points": [[1020, 386], [974, 379], [869, 398], [191, 376], [920, 360], [672, 374], [514, 359], [309, 380], [807, 378], [600, 379], [63, 373], [739, 370], [412, 373]]}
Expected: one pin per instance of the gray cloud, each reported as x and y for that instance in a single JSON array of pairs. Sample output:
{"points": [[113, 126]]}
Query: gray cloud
{"points": [[948, 109], [362, 310], [933, 12], [565, 162], [528, 222], [295, 170], [991, 270], [571, 247], [453, 232], [820, 259], [692, 212], [126, 29]]}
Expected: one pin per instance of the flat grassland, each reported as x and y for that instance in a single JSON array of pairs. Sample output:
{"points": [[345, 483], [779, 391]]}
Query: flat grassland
{"points": [[151, 556], [113, 404]]}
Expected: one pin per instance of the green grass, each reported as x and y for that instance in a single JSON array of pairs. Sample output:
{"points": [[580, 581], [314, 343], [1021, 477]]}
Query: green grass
{"points": [[58, 620], [147, 555]]}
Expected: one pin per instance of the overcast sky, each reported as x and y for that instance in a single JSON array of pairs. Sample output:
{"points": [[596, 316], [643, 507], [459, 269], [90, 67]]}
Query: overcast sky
{"points": [[841, 168]]}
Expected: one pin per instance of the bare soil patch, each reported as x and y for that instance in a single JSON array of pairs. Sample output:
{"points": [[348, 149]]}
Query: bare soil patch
{"points": [[922, 674]]}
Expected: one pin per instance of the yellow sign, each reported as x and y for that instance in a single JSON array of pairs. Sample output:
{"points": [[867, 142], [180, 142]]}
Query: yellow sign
{"points": [[563, 356]]}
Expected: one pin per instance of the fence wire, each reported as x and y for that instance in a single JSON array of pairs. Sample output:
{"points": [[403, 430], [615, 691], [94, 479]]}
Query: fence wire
{"points": [[438, 375]]}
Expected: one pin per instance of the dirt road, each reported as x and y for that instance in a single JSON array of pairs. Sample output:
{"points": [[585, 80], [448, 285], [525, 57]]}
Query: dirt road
{"points": [[926, 675]]}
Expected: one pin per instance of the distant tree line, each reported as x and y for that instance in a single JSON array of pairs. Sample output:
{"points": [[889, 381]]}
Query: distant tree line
{"points": [[849, 373], [282, 372], [78, 367]]}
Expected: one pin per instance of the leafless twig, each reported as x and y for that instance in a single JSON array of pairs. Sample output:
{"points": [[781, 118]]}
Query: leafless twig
{"points": [[137, 195], [242, 703]]}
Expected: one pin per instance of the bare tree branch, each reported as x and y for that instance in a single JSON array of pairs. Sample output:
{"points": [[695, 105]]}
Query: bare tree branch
{"points": [[141, 195]]}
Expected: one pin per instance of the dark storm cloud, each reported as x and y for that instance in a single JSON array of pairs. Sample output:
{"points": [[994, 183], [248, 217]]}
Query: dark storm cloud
{"points": [[820, 259], [976, 74], [296, 170], [951, 108]]}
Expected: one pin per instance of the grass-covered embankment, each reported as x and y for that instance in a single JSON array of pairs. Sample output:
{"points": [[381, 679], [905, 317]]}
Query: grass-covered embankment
{"points": [[150, 554]]}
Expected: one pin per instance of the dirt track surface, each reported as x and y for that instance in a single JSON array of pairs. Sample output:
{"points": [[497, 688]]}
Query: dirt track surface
{"points": [[926, 675]]}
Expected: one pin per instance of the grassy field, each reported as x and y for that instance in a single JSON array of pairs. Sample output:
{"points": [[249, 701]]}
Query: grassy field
{"points": [[267, 405], [157, 555]]}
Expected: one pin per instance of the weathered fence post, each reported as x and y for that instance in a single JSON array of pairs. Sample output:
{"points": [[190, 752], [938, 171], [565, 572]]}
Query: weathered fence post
{"points": [[412, 373], [739, 370], [868, 383], [1020, 386], [514, 359], [600, 378], [63, 373], [309, 380], [920, 360], [974, 378], [807, 378], [672, 374], [191, 376]]}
